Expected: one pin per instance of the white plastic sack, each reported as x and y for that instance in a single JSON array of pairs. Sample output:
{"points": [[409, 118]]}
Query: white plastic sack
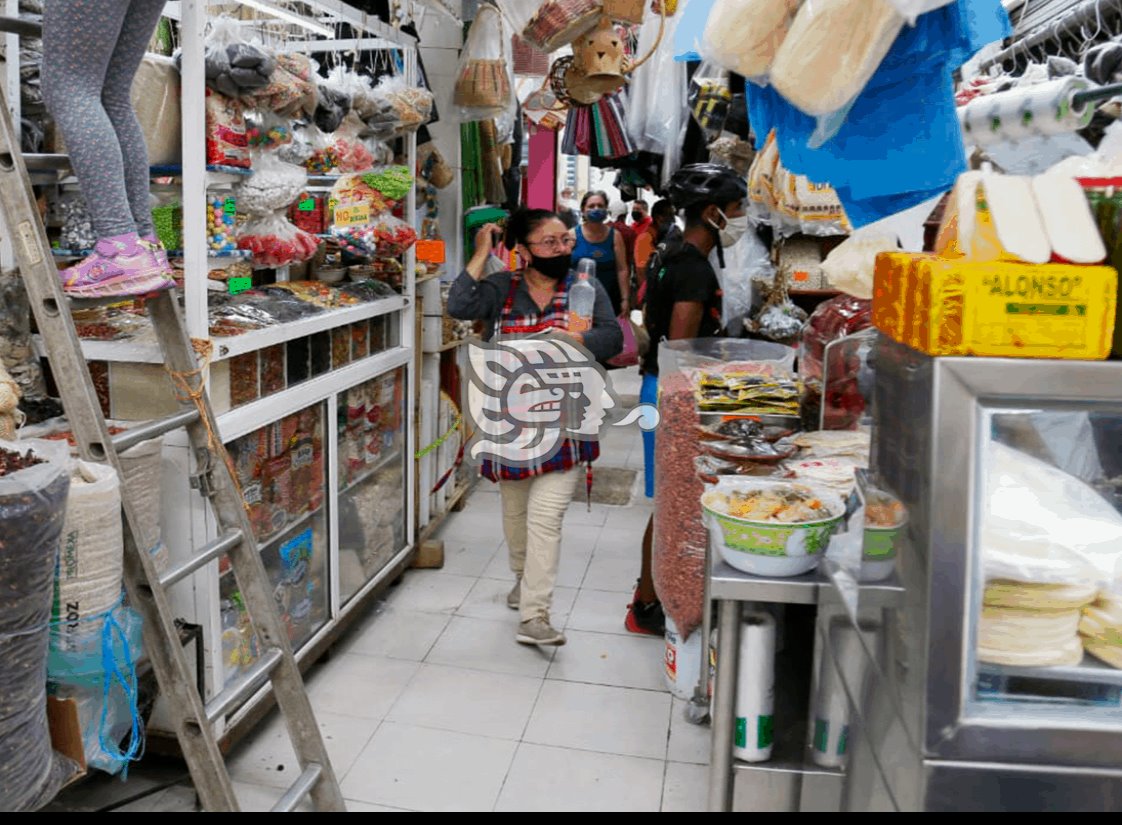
{"points": [[1040, 524], [657, 91], [91, 554], [849, 267]]}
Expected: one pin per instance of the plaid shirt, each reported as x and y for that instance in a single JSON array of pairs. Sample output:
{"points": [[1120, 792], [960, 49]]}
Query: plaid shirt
{"points": [[571, 452]]}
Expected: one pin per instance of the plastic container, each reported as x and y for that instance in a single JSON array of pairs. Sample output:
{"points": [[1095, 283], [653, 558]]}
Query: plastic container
{"points": [[881, 544], [728, 355], [771, 548], [582, 297], [683, 661]]}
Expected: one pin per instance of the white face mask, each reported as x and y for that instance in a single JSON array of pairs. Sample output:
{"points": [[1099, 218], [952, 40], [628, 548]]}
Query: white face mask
{"points": [[734, 229]]}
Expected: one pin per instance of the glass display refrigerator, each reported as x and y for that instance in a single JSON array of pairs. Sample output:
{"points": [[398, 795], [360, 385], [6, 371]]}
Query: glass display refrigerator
{"points": [[981, 670]]}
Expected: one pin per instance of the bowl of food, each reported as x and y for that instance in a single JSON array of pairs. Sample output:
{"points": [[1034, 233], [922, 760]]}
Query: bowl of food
{"points": [[885, 520], [331, 275], [772, 528]]}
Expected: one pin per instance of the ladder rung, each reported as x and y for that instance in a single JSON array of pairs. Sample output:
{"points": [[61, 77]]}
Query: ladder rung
{"points": [[243, 686], [300, 789], [46, 162], [211, 551], [153, 429], [24, 28]]}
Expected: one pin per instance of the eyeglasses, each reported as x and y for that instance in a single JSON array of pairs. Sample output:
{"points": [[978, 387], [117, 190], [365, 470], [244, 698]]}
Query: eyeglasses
{"points": [[555, 243]]}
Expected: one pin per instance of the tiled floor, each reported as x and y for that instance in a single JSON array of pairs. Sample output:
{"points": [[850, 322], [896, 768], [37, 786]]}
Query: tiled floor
{"points": [[430, 705]]}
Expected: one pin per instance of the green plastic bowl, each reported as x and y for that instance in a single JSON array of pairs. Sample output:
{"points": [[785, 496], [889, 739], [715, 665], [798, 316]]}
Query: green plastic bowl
{"points": [[772, 549]]}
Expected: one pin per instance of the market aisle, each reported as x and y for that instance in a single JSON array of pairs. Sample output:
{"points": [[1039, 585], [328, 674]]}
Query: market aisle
{"points": [[430, 705]]}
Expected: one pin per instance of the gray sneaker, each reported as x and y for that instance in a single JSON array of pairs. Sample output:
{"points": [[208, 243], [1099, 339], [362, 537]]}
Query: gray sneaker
{"points": [[539, 632], [514, 597]]}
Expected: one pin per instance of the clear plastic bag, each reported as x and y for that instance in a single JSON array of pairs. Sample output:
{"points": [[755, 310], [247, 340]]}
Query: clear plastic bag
{"points": [[385, 237], [268, 131], [832, 49], [334, 103], [276, 242], [273, 185], [233, 66], [665, 101], [32, 511], [483, 82], [709, 96], [745, 262], [227, 143], [744, 36], [518, 13], [411, 105], [1040, 524], [291, 91]]}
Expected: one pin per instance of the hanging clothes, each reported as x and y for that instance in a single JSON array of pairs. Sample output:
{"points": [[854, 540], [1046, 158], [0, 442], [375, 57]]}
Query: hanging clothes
{"points": [[901, 143]]}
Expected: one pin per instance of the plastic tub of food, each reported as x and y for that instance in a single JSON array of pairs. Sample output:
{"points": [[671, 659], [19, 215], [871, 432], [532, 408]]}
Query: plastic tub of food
{"points": [[331, 274], [772, 528], [885, 522]]}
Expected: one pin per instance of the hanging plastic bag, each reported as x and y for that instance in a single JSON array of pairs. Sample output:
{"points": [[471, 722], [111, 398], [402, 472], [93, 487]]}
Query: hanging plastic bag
{"points": [[665, 90], [227, 143], [34, 484], [518, 13], [291, 91], [849, 267], [831, 50], [385, 236], [411, 106], [709, 96], [912, 9], [268, 131], [233, 66], [299, 149], [333, 104], [351, 154], [273, 185], [276, 242], [744, 36], [745, 262], [483, 83]]}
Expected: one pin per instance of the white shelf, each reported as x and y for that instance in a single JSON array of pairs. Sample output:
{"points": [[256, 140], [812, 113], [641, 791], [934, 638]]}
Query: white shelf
{"points": [[261, 338]]}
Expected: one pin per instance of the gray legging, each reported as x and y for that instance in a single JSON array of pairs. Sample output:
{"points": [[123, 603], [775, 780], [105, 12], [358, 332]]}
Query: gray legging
{"points": [[91, 52]]}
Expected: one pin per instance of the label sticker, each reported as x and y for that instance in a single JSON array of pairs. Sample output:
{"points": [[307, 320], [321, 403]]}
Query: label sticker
{"points": [[303, 456], [236, 285], [430, 252], [298, 548], [306, 205], [352, 214], [230, 206]]}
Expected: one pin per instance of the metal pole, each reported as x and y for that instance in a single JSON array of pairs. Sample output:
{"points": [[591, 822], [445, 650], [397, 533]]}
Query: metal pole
{"points": [[698, 710], [724, 706]]}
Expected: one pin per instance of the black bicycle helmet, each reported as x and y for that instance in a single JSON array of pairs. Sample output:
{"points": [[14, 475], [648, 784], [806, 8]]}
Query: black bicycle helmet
{"points": [[701, 184]]}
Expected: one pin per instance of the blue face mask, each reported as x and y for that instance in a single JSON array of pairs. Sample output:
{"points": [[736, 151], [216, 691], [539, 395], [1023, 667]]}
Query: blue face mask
{"points": [[596, 215]]}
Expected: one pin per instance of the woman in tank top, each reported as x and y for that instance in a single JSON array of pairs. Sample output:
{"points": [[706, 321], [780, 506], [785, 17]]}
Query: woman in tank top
{"points": [[597, 240]]}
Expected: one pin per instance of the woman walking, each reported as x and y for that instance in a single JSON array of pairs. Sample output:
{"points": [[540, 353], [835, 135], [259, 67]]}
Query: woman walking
{"points": [[534, 301], [598, 240]]}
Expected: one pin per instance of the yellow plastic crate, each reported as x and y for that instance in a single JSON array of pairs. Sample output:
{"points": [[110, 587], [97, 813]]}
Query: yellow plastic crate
{"points": [[998, 309]]}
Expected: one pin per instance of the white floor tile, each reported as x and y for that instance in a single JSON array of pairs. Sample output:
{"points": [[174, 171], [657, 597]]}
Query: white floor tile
{"points": [[620, 541], [466, 556], [363, 686], [633, 518], [573, 566], [579, 538], [269, 759], [579, 513], [686, 788], [563, 600], [617, 573], [499, 566], [430, 770], [688, 742], [597, 718], [610, 659], [430, 591], [477, 644], [476, 524], [354, 807], [396, 633], [487, 600], [560, 779], [599, 611], [173, 800], [260, 799], [468, 701]]}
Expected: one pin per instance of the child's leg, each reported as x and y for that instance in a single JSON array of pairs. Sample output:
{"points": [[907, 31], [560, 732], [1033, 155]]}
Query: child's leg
{"points": [[79, 37], [116, 97]]}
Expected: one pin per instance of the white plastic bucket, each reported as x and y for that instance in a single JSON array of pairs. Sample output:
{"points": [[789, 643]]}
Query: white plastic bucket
{"points": [[683, 661]]}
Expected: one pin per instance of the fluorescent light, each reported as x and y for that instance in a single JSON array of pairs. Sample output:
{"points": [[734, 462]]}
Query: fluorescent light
{"points": [[289, 17]]}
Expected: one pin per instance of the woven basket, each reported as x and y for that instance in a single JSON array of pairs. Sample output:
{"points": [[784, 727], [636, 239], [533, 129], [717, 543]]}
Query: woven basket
{"points": [[483, 84], [560, 22], [626, 11], [528, 59]]}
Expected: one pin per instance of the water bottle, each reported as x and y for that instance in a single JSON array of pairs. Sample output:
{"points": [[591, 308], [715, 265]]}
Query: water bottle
{"points": [[582, 297]]}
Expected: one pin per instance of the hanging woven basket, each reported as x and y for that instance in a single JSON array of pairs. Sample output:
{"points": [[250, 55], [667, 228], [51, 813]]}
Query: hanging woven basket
{"points": [[559, 22], [626, 11]]}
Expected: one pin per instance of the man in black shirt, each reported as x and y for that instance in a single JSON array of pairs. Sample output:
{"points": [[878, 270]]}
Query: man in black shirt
{"points": [[683, 300]]}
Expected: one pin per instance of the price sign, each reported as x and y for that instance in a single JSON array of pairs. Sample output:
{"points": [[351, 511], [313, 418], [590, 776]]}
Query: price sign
{"points": [[306, 205], [236, 285], [430, 252], [352, 214], [230, 206]]}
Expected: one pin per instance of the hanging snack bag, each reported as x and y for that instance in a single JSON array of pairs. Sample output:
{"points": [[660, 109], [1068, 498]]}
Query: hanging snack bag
{"points": [[234, 67], [275, 242], [744, 36], [292, 90], [273, 185], [483, 83], [709, 96], [227, 143]]}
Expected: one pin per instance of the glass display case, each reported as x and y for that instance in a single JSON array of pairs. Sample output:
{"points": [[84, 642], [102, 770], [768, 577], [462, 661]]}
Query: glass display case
{"points": [[282, 471], [994, 669], [371, 470]]}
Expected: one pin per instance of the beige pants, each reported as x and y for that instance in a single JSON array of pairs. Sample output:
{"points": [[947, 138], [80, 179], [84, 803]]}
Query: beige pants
{"points": [[532, 514]]}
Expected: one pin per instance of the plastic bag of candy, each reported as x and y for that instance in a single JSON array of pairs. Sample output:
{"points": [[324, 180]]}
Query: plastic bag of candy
{"points": [[392, 181], [411, 105], [276, 242], [233, 66], [292, 89], [273, 185], [266, 130], [323, 158], [385, 237], [226, 141], [334, 105], [353, 189]]}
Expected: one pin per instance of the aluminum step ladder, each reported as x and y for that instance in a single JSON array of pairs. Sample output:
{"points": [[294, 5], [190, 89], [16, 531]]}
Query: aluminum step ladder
{"points": [[147, 589]]}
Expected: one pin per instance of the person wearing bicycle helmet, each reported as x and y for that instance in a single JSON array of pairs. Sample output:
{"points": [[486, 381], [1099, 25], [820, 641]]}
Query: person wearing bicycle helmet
{"points": [[683, 300]]}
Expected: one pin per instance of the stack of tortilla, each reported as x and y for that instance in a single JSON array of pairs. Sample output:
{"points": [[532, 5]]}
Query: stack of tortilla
{"points": [[1032, 625], [1101, 629], [830, 459]]}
